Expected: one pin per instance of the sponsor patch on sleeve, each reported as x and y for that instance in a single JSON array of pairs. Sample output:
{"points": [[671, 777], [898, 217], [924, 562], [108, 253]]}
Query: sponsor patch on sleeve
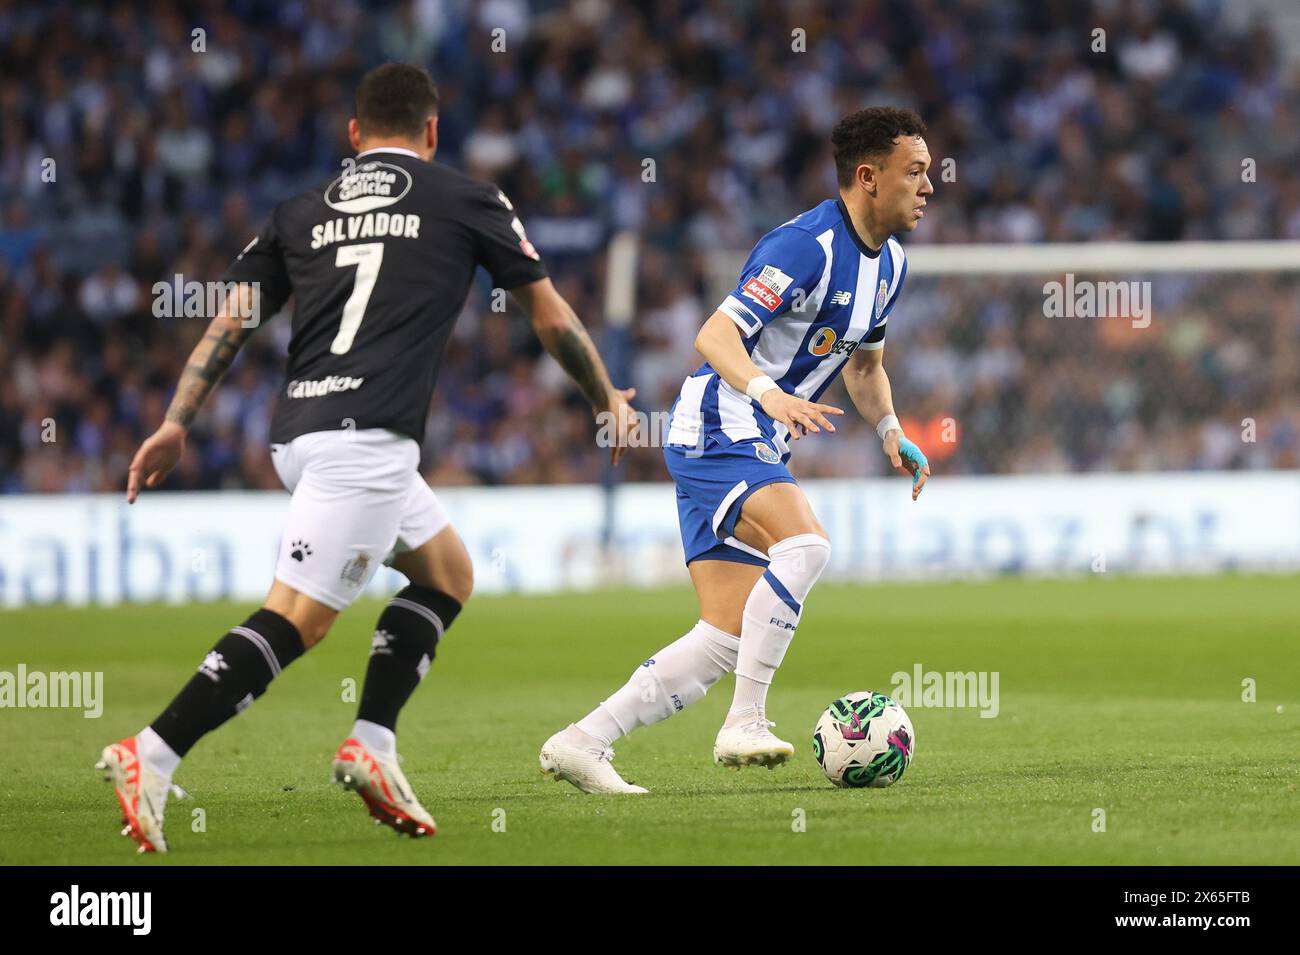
{"points": [[775, 279], [766, 287], [761, 294]]}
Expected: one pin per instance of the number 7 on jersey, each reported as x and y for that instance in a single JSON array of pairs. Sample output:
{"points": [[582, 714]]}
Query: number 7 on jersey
{"points": [[367, 257]]}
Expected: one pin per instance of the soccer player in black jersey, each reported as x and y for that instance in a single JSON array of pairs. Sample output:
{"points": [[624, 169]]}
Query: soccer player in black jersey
{"points": [[379, 261]]}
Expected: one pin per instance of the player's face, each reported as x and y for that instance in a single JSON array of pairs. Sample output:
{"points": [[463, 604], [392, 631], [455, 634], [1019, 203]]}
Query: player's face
{"points": [[904, 183]]}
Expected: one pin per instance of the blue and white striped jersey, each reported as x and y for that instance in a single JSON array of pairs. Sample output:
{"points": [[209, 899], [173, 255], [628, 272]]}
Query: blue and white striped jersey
{"points": [[810, 295]]}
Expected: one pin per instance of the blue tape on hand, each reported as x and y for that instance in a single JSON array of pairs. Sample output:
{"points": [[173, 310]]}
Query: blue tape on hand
{"points": [[908, 449]]}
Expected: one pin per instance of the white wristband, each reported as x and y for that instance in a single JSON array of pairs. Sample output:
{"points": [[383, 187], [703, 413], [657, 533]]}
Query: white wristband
{"points": [[887, 424], [760, 386]]}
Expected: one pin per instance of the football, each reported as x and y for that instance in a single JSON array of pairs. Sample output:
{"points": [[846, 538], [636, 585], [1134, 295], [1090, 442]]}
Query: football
{"points": [[864, 739]]}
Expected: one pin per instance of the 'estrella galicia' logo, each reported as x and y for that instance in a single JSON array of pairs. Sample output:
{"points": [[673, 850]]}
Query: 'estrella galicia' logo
{"points": [[766, 454], [370, 185]]}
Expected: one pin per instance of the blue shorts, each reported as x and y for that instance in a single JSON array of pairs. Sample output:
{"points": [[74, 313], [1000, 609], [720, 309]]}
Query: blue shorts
{"points": [[712, 485]]}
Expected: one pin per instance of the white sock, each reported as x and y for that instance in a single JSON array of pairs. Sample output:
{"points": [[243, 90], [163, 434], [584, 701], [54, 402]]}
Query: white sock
{"points": [[669, 681], [380, 740], [772, 612], [162, 759]]}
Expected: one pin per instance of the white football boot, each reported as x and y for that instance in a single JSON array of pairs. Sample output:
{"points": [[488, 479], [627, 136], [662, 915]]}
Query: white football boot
{"points": [[141, 792], [383, 787], [747, 740], [578, 758]]}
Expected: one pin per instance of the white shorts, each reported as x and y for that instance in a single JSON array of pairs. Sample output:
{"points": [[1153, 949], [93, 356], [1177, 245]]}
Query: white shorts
{"points": [[358, 501]]}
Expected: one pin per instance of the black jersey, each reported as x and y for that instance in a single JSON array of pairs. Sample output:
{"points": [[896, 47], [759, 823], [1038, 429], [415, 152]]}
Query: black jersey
{"points": [[379, 261]]}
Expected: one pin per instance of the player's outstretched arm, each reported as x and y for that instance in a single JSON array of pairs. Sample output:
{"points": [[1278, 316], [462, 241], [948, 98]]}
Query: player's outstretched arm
{"points": [[211, 357], [720, 344], [565, 337], [868, 386]]}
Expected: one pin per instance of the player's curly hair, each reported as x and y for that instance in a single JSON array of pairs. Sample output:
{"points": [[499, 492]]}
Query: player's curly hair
{"points": [[870, 133], [395, 99]]}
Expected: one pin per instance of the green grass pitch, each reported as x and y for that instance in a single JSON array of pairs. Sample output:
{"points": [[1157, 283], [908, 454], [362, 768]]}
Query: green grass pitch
{"points": [[1123, 695]]}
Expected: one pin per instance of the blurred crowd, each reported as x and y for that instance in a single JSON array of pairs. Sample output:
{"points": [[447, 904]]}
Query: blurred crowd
{"points": [[144, 140]]}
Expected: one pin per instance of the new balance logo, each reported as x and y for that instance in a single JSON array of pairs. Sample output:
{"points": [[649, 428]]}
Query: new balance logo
{"points": [[212, 665], [841, 298], [379, 645]]}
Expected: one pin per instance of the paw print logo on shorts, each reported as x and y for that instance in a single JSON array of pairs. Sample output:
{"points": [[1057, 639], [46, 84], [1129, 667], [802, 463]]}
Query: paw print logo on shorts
{"points": [[301, 550]]}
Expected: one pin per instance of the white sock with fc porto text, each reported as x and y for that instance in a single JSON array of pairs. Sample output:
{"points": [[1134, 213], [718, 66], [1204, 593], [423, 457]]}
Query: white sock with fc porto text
{"points": [[772, 612], [668, 682]]}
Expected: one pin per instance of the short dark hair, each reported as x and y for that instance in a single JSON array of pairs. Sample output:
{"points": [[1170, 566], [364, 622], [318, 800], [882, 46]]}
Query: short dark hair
{"points": [[870, 133], [395, 99]]}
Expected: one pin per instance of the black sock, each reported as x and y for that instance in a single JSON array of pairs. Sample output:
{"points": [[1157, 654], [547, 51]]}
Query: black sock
{"points": [[406, 637], [233, 674]]}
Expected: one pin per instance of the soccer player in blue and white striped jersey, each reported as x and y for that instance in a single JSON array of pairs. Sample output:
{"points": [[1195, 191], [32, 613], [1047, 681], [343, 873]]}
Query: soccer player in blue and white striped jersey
{"points": [[813, 300]]}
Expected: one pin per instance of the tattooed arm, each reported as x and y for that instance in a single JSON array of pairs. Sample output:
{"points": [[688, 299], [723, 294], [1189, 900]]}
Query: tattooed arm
{"points": [[563, 335], [208, 362], [211, 357]]}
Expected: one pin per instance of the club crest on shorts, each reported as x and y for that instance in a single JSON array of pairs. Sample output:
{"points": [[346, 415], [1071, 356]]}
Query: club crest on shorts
{"points": [[766, 454], [355, 569]]}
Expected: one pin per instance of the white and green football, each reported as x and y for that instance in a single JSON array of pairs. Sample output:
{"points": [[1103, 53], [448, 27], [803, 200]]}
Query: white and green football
{"points": [[864, 739]]}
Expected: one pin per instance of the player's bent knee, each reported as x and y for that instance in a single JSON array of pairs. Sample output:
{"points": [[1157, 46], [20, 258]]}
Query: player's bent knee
{"points": [[455, 579], [729, 621], [441, 563], [798, 561], [312, 628], [461, 584], [312, 618], [812, 550], [314, 636]]}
